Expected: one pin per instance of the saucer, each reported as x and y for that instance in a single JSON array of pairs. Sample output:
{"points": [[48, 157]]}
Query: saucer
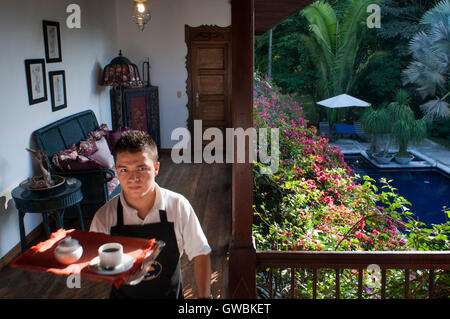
{"points": [[127, 263]]}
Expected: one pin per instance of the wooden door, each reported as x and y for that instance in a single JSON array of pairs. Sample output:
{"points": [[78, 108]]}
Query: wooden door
{"points": [[209, 77]]}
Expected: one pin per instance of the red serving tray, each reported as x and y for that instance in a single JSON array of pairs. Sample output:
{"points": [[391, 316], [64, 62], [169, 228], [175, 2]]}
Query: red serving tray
{"points": [[41, 257]]}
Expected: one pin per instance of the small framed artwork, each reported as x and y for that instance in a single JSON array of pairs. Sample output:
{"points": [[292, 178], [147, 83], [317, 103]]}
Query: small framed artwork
{"points": [[52, 41], [58, 95], [36, 83]]}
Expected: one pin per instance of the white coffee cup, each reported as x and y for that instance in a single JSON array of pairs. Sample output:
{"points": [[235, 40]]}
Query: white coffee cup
{"points": [[110, 255]]}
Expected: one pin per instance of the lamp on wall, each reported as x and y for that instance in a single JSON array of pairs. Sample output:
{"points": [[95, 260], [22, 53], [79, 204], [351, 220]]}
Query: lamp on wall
{"points": [[141, 13], [121, 73]]}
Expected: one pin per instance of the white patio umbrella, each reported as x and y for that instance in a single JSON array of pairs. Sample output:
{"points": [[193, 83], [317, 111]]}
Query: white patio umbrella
{"points": [[343, 100]]}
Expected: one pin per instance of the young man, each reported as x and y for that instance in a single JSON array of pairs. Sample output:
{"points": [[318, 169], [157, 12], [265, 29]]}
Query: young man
{"points": [[143, 209]]}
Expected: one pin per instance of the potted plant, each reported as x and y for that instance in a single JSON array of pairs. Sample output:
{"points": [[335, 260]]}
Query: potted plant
{"points": [[406, 128], [378, 122]]}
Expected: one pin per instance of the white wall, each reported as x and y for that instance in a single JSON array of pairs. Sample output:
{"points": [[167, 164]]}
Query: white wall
{"points": [[84, 53], [163, 41]]}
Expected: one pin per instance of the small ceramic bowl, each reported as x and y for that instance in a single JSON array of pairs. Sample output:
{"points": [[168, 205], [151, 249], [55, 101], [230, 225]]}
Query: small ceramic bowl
{"points": [[68, 251]]}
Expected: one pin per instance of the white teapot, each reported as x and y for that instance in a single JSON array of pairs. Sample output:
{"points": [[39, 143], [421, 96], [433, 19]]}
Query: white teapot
{"points": [[68, 251]]}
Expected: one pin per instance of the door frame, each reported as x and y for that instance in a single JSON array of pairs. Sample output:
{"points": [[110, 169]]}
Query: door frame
{"points": [[205, 34]]}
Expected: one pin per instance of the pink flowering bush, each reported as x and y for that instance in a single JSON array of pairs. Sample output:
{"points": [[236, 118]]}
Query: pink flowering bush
{"points": [[313, 201]]}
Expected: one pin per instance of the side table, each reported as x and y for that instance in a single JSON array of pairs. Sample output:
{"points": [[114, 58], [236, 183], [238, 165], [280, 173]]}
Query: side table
{"points": [[45, 202]]}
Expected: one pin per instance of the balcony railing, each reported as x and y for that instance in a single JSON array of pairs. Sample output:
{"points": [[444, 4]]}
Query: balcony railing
{"points": [[433, 261]]}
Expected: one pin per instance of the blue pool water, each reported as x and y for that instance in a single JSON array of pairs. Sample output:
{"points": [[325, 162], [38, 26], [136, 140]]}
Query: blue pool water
{"points": [[428, 190]]}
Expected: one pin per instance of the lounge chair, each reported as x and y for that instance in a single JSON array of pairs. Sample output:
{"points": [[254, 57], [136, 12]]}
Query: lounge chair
{"points": [[324, 129], [344, 129]]}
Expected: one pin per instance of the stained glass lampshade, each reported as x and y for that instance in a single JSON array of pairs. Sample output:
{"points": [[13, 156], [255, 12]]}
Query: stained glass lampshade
{"points": [[120, 72]]}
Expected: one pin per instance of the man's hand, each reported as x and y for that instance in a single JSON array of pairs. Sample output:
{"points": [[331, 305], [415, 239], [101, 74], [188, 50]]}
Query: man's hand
{"points": [[202, 266], [140, 273]]}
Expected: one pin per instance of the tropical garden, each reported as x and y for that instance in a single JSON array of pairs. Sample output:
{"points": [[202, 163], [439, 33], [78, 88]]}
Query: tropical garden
{"points": [[315, 201]]}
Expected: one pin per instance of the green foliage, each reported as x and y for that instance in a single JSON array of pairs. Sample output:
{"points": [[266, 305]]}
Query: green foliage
{"points": [[401, 21], [383, 77], [440, 127], [314, 202], [290, 63], [429, 70], [376, 122], [333, 45], [405, 127]]}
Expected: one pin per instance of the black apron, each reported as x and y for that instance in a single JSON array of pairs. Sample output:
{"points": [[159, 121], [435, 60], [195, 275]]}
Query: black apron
{"points": [[163, 280]]}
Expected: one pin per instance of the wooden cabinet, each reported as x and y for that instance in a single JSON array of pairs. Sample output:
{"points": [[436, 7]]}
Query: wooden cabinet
{"points": [[140, 110]]}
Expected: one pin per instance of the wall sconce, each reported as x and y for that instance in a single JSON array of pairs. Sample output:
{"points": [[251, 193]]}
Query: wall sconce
{"points": [[141, 13]]}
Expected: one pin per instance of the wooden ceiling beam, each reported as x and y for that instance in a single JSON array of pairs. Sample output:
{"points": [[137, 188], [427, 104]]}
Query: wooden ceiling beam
{"points": [[269, 13]]}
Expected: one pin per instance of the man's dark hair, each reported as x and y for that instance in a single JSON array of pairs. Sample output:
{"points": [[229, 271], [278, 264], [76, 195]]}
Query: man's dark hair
{"points": [[135, 141]]}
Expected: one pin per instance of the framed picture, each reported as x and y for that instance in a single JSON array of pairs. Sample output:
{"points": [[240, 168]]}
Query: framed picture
{"points": [[52, 41], [57, 81], [36, 83]]}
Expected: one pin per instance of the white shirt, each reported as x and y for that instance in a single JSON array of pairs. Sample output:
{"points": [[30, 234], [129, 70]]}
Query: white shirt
{"points": [[188, 231]]}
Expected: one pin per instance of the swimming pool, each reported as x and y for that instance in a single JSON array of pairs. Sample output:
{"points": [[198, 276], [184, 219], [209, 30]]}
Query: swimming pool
{"points": [[428, 190]]}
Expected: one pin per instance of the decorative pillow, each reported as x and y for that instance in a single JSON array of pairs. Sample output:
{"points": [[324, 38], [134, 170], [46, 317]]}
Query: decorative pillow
{"points": [[87, 147], [83, 163], [62, 159], [113, 136], [100, 132], [103, 155]]}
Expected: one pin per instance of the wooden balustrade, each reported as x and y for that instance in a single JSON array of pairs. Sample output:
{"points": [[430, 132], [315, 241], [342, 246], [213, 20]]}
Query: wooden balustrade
{"points": [[359, 260]]}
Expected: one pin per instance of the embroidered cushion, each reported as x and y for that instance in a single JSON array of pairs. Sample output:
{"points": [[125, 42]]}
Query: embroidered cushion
{"points": [[103, 155], [62, 159], [87, 147], [100, 132]]}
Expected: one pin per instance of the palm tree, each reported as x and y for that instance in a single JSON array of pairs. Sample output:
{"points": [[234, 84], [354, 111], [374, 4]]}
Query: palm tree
{"points": [[377, 122], [401, 21], [334, 46], [405, 128], [430, 68]]}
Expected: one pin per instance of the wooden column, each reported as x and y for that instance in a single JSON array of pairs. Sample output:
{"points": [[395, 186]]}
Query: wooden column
{"points": [[242, 253]]}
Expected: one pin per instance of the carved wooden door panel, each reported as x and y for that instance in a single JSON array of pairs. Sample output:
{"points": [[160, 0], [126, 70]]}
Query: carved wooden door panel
{"points": [[209, 77]]}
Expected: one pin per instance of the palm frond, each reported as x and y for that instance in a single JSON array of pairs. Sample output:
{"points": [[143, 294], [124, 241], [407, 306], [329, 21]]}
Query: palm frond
{"points": [[440, 37], [402, 97], [344, 66], [435, 108], [429, 67], [353, 22], [399, 110], [401, 132], [419, 45], [418, 130], [431, 52], [319, 60], [440, 10], [323, 22], [376, 121]]}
